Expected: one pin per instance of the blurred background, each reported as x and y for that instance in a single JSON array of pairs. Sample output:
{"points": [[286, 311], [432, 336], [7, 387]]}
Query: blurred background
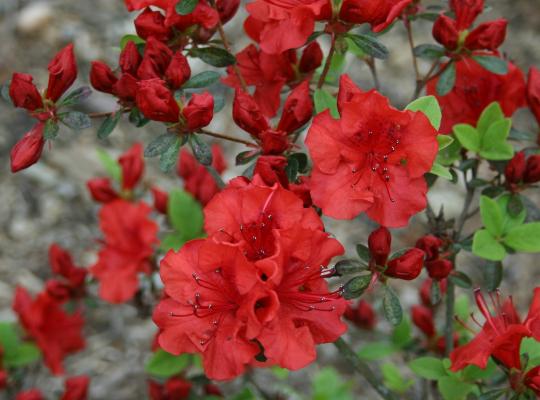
{"points": [[49, 202]]}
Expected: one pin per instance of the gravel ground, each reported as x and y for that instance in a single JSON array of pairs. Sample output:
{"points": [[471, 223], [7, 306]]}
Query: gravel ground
{"points": [[49, 203]]}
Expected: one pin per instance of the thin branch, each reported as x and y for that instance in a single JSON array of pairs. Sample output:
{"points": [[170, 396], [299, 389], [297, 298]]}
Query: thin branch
{"points": [[370, 61], [101, 114], [226, 137], [328, 62], [408, 26], [423, 82]]}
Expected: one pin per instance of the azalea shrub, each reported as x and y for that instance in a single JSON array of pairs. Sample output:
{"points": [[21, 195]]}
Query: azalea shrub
{"points": [[244, 276]]}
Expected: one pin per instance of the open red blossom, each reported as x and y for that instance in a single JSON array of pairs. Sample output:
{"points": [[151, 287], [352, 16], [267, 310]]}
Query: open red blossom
{"points": [[373, 159], [76, 388], [533, 92], [475, 89], [56, 332], [197, 179], [532, 380], [378, 13], [500, 336], [175, 388], [27, 151], [129, 237]]}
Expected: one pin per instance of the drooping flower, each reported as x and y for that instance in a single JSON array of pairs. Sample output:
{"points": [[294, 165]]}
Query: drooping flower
{"points": [[373, 159], [129, 237], [56, 332]]}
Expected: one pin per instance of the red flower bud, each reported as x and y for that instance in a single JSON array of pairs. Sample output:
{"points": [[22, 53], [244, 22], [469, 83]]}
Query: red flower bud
{"points": [[533, 92], [132, 165], [161, 199], [425, 290], [24, 93], [515, 169], [311, 58], [445, 32], [126, 88], [378, 13], [274, 142], [3, 377], [363, 315], [152, 24], [156, 59], [248, 115], [101, 190], [156, 102], [297, 110], [178, 71], [30, 394], [130, 59], [271, 169], [422, 317], [439, 269], [76, 388], [430, 245], [199, 111], [407, 266], [487, 36], [27, 151], [62, 73], [227, 9], [379, 243], [532, 380], [102, 77], [58, 290], [211, 389], [532, 171]]}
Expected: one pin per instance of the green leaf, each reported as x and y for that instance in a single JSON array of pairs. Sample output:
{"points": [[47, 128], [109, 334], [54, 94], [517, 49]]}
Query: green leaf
{"points": [[169, 157], [369, 45], [493, 64], [50, 130], [473, 373], [493, 274], [435, 293], [21, 355], [201, 150], [429, 51], [494, 146], [491, 114], [9, 339], [486, 246], [185, 214], [442, 171], [204, 79], [302, 160], [447, 80], [462, 307], [165, 365], [524, 238], [77, 120], [392, 307], [401, 336], [324, 100], [329, 385], [110, 164], [130, 38], [185, 7], [510, 221], [214, 56], [363, 252], [76, 96], [444, 141], [172, 241], [348, 267], [454, 389], [460, 279], [291, 169], [137, 118], [245, 157], [428, 368], [431, 109], [108, 125], [468, 136], [394, 380], [336, 67], [515, 205], [160, 144], [376, 351], [449, 154], [356, 286], [492, 216]]}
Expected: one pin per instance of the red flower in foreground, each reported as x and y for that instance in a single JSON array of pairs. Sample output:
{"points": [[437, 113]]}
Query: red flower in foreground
{"points": [[56, 332], [197, 179], [129, 239], [373, 159], [500, 336], [475, 89]]}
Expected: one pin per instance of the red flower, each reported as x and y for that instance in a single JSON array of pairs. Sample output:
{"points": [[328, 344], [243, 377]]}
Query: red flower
{"points": [[156, 59], [378, 13], [363, 315], [156, 101], [532, 170], [76, 388], [425, 290], [197, 179], [24, 93], [178, 71], [132, 165], [199, 110], [62, 73], [152, 24], [438, 267], [379, 242], [30, 394], [101, 190], [475, 89], [271, 170], [174, 388], [102, 77], [129, 239], [57, 333], [533, 92], [422, 317], [532, 380], [73, 277], [407, 266], [27, 151], [372, 159], [500, 336], [161, 199]]}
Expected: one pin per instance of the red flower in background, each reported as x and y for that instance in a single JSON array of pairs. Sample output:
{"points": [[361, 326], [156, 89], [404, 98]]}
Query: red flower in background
{"points": [[56, 332], [378, 13], [362, 315], [197, 179], [27, 151], [373, 159], [71, 279], [474, 90], [437, 265], [129, 239], [62, 73], [533, 93], [175, 388], [422, 318], [30, 394], [76, 388]]}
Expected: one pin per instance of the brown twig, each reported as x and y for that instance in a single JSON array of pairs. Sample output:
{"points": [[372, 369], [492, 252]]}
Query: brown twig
{"points": [[226, 137], [328, 62], [408, 26], [370, 62]]}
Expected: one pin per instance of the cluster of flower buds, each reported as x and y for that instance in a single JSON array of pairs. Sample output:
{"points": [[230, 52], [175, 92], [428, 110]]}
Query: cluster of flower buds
{"points": [[522, 171], [437, 264]]}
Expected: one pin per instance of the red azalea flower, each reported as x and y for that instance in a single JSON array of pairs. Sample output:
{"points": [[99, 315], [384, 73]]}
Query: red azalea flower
{"points": [[101, 190], [129, 239], [76, 388], [161, 200], [378, 13], [62, 265], [500, 336], [156, 101], [27, 151], [379, 243], [30, 394], [175, 388], [474, 90], [57, 333], [271, 170], [24, 93], [363, 315], [532, 380], [62, 73], [422, 318], [152, 24], [132, 165], [533, 93], [372, 159], [407, 266], [437, 266], [197, 179], [199, 111]]}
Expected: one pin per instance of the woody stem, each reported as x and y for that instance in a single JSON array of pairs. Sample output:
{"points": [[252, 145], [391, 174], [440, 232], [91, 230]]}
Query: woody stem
{"points": [[422, 82], [226, 137], [370, 62], [363, 369], [328, 62], [408, 26]]}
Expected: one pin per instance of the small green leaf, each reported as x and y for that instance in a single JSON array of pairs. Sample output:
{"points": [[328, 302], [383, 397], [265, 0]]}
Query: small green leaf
{"points": [[348, 267], [302, 161], [376, 351], [245, 157], [435, 293], [21, 355], [460, 279], [137, 118], [401, 336], [201, 150], [185, 214], [160, 144], [444, 141], [524, 238], [515, 205], [172, 241], [363, 252], [491, 114], [442, 171], [431, 109], [493, 274], [492, 216], [447, 80], [328, 384], [356, 286], [462, 307], [185, 7], [108, 125], [130, 38], [50, 130], [468, 136], [428, 368], [165, 365], [429, 51], [324, 100], [486, 246], [204, 79], [76, 96], [494, 146], [369, 45], [77, 120], [291, 169], [214, 56], [169, 157], [394, 380], [110, 164], [493, 64], [392, 307], [453, 389]]}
